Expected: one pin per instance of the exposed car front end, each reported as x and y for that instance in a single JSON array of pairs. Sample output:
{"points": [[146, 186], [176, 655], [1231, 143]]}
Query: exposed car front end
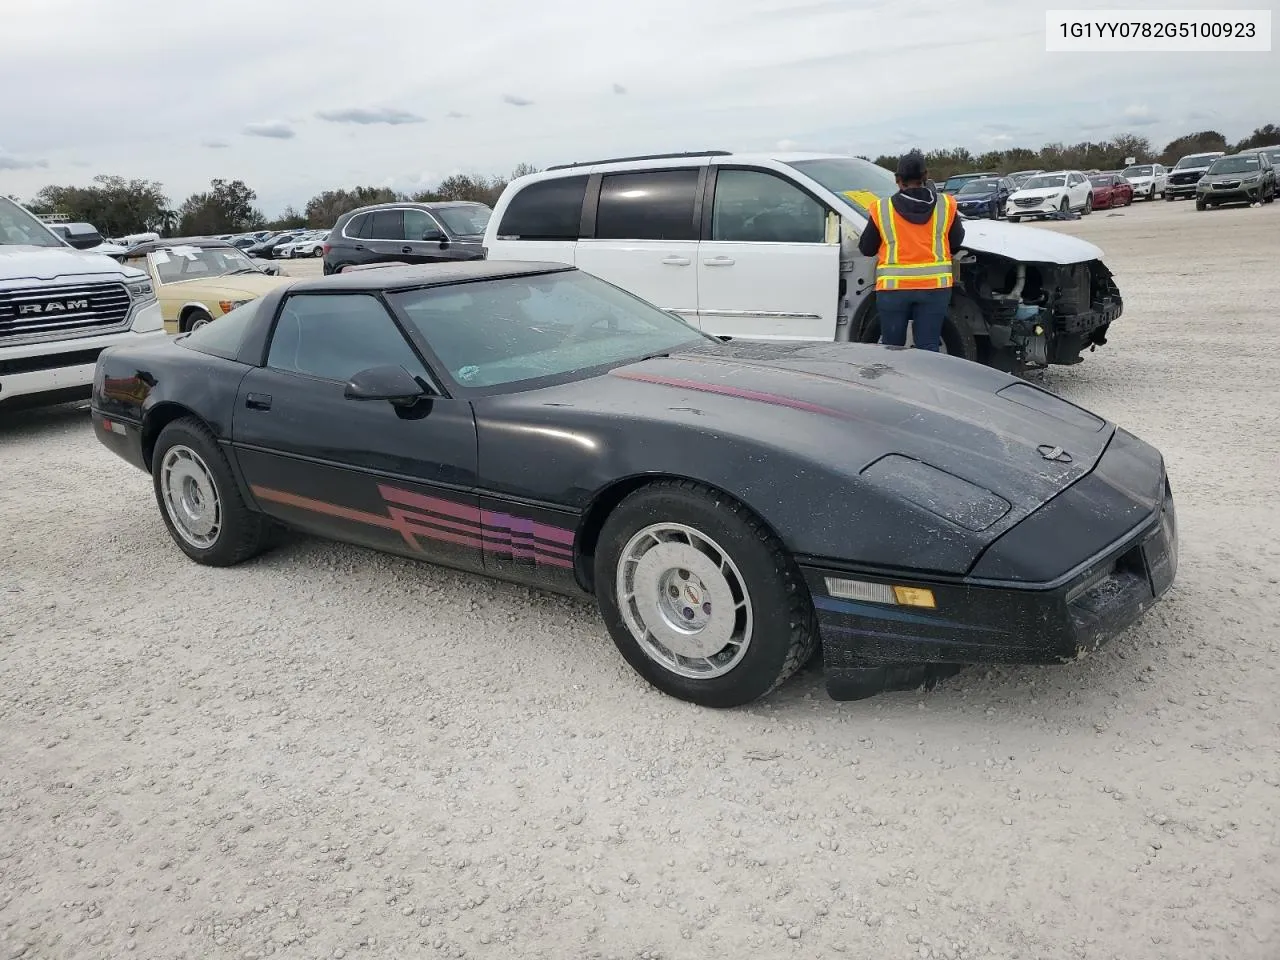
{"points": [[1182, 182], [55, 323], [217, 296]]}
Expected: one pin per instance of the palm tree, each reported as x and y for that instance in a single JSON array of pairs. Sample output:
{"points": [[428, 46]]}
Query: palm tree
{"points": [[167, 221]]}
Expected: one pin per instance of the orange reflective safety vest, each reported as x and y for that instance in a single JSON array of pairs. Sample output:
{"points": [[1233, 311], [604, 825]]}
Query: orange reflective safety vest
{"points": [[914, 256]]}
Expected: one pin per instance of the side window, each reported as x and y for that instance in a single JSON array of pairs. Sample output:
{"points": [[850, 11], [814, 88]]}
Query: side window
{"points": [[419, 225], [358, 227], [334, 336], [655, 205], [545, 210], [387, 225], [752, 206]]}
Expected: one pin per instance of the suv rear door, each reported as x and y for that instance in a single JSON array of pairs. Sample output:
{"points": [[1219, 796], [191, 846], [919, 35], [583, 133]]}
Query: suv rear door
{"points": [[645, 238], [385, 237], [769, 259]]}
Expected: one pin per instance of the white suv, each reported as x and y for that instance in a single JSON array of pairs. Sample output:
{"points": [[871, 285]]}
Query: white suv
{"points": [[765, 246], [1150, 180], [59, 309]]}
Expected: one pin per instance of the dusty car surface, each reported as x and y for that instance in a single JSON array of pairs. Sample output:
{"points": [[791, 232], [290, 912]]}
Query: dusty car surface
{"points": [[730, 506], [200, 280]]}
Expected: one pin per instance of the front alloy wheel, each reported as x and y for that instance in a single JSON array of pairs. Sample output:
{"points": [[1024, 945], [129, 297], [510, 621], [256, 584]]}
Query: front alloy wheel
{"points": [[699, 596]]}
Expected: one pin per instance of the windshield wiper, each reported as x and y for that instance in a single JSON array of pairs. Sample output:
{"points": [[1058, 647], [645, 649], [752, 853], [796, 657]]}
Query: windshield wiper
{"points": [[242, 270]]}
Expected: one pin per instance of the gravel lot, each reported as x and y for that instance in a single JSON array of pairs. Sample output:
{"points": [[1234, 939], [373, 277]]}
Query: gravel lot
{"points": [[329, 753]]}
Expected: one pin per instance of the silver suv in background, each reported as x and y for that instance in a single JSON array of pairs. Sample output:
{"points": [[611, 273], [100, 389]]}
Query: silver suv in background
{"points": [[1186, 173], [1149, 180], [59, 309]]}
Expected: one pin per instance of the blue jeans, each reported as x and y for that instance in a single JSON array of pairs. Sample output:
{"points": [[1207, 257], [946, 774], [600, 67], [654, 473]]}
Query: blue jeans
{"points": [[925, 310]]}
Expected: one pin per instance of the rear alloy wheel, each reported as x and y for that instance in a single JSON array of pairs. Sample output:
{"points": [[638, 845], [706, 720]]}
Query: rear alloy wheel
{"points": [[699, 597], [199, 499]]}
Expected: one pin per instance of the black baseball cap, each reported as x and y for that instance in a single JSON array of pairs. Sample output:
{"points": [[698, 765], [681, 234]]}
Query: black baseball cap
{"points": [[911, 166]]}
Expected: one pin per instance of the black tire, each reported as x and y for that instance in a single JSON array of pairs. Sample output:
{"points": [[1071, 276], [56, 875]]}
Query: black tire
{"points": [[1065, 206], [244, 533], [1269, 197], [1200, 204], [194, 319], [956, 337], [1088, 205], [784, 631]]}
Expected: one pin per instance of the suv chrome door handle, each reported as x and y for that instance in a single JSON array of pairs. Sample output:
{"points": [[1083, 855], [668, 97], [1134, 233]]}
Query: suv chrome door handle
{"points": [[719, 262], [676, 261]]}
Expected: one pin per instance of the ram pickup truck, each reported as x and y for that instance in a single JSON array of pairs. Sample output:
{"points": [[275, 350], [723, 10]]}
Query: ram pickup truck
{"points": [[59, 308]]}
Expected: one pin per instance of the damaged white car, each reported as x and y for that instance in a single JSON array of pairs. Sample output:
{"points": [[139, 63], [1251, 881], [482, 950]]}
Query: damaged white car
{"points": [[765, 246]]}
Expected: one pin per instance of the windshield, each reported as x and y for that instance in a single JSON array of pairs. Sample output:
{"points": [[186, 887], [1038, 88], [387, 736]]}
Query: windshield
{"points": [[179, 264], [858, 182], [548, 325], [1195, 160], [465, 221], [1138, 172], [1236, 165], [1044, 183], [19, 227], [980, 186]]}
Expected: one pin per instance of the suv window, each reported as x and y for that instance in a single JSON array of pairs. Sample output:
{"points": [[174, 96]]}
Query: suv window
{"points": [[387, 225], [334, 336], [545, 210], [358, 226], [652, 205], [752, 206], [418, 225]]}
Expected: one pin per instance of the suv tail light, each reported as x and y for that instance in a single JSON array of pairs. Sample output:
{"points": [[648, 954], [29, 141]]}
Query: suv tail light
{"points": [[326, 247]]}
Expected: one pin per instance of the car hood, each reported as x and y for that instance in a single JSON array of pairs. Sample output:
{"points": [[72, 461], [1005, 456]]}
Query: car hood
{"points": [[255, 286], [1226, 177], [845, 406], [1028, 244], [22, 262]]}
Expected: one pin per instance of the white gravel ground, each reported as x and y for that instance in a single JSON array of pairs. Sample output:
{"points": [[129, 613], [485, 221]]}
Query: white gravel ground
{"points": [[330, 753]]}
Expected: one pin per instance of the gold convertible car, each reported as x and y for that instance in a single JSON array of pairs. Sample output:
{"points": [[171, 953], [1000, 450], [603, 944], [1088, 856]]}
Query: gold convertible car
{"points": [[199, 280]]}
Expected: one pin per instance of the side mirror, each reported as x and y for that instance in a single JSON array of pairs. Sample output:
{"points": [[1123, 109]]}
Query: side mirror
{"points": [[82, 236], [392, 384]]}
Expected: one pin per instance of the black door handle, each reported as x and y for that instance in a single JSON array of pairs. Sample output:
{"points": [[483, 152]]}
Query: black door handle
{"points": [[258, 401], [406, 249]]}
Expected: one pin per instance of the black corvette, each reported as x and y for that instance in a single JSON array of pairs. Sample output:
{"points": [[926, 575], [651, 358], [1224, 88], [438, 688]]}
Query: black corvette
{"points": [[730, 505]]}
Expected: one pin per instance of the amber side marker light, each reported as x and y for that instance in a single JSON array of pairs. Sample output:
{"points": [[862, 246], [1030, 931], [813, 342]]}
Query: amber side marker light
{"points": [[894, 594]]}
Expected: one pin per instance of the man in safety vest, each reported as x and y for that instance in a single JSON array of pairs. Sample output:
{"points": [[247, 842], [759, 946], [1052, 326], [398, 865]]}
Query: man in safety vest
{"points": [[913, 235]]}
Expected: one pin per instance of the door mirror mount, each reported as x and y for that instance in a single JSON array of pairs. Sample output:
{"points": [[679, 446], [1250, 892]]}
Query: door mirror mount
{"points": [[394, 384]]}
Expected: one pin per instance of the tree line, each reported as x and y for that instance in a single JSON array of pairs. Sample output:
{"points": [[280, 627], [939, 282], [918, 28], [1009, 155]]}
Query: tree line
{"points": [[1102, 155], [118, 206]]}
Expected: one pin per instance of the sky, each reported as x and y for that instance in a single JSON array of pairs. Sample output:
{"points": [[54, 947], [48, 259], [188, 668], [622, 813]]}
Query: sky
{"points": [[298, 96]]}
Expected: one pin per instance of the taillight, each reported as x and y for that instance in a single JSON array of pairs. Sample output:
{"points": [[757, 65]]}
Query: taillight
{"points": [[326, 247]]}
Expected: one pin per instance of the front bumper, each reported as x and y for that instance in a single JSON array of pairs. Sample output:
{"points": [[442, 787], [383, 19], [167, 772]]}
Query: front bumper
{"points": [[1245, 193], [1042, 208], [59, 371], [1181, 189], [986, 621]]}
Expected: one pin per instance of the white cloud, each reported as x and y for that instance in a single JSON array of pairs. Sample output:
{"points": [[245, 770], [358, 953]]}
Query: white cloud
{"points": [[273, 129], [732, 69], [368, 115], [787, 146]]}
